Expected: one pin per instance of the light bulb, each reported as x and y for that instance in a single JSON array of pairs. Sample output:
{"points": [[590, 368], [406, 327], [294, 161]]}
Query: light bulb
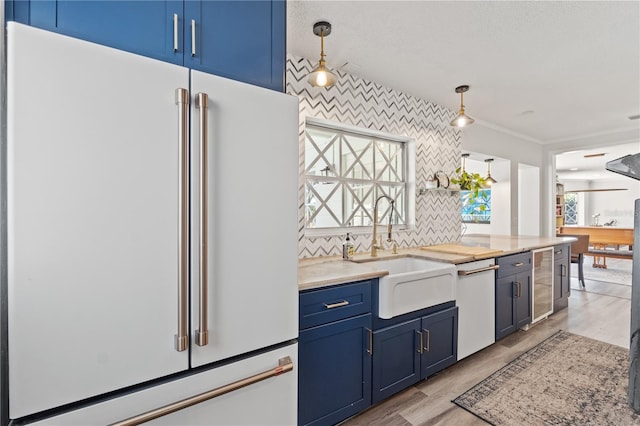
{"points": [[321, 78]]}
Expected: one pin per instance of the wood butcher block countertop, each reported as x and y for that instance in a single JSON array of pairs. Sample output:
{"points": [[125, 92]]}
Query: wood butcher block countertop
{"points": [[325, 271]]}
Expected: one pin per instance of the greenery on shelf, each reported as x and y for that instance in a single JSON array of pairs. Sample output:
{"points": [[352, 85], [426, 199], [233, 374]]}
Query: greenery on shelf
{"points": [[472, 182]]}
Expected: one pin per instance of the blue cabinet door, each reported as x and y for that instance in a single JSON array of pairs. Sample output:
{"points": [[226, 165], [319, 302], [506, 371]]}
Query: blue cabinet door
{"points": [[142, 27], [513, 303], [523, 300], [334, 374], [396, 358], [440, 341], [241, 40], [505, 306], [561, 276]]}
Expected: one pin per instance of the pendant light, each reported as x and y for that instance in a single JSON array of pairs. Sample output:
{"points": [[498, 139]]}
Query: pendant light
{"points": [[464, 157], [489, 180], [462, 119], [321, 76]]}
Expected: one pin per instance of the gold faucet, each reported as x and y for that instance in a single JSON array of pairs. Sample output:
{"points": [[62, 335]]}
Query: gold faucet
{"points": [[374, 244]]}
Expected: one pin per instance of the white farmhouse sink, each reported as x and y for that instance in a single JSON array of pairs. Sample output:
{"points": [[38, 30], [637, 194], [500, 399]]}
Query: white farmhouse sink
{"points": [[414, 284]]}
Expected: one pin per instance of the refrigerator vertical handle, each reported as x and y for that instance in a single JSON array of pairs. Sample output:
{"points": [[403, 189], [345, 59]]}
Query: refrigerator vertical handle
{"points": [[202, 334], [182, 338], [175, 32]]}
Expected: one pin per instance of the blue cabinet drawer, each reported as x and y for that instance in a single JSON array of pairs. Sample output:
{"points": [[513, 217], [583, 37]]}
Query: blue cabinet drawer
{"points": [[514, 264], [334, 303], [561, 252]]}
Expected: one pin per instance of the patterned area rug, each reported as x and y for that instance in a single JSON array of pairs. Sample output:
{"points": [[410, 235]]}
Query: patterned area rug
{"points": [[565, 380]]}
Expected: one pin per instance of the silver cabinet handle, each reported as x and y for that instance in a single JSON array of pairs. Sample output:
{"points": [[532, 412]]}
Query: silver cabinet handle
{"points": [[420, 345], [336, 305], [518, 289], [427, 346], [370, 348], [202, 334], [477, 271], [285, 365], [182, 338], [563, 270], [193, 37], [175, 32], [518, 264]]}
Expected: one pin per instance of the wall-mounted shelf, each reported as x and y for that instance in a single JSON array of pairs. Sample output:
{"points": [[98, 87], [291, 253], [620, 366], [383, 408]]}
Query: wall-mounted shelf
{"points": [[423, 190]]}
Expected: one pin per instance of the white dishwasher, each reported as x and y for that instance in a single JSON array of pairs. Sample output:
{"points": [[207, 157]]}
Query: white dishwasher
{"points": [[475, 298]]}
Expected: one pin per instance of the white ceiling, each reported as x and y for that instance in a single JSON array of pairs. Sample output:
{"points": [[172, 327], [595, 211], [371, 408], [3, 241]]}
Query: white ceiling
{"points": [[592, 168], [549, 71]]}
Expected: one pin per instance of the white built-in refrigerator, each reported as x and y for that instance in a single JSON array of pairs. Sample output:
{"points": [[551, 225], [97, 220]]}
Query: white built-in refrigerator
{"points": [[151, 239]]}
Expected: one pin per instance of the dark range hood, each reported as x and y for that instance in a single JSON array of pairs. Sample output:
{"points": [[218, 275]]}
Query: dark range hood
{"points": [[629, 166]]}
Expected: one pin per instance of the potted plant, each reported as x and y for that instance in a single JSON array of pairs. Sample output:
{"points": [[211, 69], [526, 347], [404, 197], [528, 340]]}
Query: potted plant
{"points": [[472, 182]]}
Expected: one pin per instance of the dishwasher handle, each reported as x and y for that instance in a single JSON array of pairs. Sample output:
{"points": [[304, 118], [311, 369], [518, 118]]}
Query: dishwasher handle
{"points": [[477, 271]]}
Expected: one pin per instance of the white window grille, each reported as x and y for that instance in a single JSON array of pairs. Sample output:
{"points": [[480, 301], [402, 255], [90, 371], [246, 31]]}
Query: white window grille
{"points": [[571, 208], [347, 169]]}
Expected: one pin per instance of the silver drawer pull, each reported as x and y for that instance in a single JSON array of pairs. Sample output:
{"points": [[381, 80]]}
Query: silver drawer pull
{"points": [[518, 264], [336, 305], [476, 271]]}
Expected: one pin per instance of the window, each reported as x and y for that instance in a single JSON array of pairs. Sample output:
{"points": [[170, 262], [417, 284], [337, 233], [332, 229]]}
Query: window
{"points": [[346, 170], [571, 208], [472, 208]]}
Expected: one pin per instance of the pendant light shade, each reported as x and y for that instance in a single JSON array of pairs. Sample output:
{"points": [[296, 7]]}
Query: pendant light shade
{"points": [[489, 180], [464, 158], [321, 76], [462, 119]]}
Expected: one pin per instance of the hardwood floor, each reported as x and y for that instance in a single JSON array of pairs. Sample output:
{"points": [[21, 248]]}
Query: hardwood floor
{"points": [[601, 312]]}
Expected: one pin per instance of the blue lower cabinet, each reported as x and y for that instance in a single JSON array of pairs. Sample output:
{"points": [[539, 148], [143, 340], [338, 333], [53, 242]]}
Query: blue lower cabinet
{"points": [[334, 374], [345, 365], [396, 358], [513, 293], [406, 353], [513, 303], [440, 347], [561, 276]]}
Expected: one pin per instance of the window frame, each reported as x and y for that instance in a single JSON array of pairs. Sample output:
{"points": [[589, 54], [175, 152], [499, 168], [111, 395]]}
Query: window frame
{"points": [[409, 174], [567, 214]]}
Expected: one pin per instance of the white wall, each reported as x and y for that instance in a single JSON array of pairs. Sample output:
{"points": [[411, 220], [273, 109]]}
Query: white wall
{"points": [[529, 189], [495, 142], [500, 197], [612, 205]]}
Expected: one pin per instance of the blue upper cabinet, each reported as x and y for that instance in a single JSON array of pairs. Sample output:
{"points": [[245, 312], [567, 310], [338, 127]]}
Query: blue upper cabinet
{"points": [[241, 40], [142, 27]]}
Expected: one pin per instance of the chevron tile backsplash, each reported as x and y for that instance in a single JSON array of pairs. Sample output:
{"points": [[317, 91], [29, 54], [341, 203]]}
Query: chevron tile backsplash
{"points": [[358, 102]]}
